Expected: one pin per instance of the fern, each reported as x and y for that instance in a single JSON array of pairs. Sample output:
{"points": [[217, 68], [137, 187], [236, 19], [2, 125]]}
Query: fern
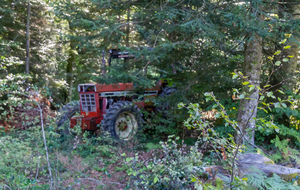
{"points": [[260, 180]]}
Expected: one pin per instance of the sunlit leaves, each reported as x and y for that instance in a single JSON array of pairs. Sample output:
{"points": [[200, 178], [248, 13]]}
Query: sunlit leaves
{"points": [[277, 52], [287, 35], [278, 63], [283, 41], [285, 60]]}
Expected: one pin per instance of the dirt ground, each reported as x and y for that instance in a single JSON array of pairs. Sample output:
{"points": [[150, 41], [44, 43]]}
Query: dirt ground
{"points": [[115, 179]]}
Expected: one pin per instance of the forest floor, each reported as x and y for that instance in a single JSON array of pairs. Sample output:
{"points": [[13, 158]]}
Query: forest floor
{"points": [[110, 173]]}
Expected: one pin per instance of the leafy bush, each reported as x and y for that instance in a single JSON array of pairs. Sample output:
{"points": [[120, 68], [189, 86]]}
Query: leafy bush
{"points": [[173, 167]]}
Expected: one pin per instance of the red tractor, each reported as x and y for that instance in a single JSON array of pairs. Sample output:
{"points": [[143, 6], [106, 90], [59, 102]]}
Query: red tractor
{"points": [[116, 107]]}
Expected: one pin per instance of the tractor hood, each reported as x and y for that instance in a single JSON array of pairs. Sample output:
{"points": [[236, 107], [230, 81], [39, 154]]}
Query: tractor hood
{"points": [[93, 87]]}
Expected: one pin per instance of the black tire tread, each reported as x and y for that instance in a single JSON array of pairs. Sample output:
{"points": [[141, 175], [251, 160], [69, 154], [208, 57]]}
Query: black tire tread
{"points": [[110, 116], [167, 91], [67, 111]]}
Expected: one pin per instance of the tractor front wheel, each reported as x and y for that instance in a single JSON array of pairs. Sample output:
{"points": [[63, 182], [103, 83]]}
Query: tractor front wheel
{"points": [[66, 113], [122, 120]]}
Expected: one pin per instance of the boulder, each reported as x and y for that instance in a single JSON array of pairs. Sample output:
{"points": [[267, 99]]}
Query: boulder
{"points": [[249, 163]]}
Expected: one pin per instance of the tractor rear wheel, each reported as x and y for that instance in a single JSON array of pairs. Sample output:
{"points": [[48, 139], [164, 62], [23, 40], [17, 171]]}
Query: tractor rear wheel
{"points": [[167, 91], [122, 120], [66, 113]]}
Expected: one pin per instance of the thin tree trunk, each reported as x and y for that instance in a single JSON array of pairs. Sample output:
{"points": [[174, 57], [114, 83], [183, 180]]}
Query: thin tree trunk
{"points": [[27, 38], [248, 105], [103, 63], [71, 62], [128, 27]]}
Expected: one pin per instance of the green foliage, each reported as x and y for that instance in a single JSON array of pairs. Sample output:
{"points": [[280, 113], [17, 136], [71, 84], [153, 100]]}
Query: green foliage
{"points": [[262, 181], [201, 40], [285, 153], [12, 148], [174, 168]]}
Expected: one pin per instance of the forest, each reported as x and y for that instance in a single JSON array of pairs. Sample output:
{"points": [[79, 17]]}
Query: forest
{"points": [[188, 94]]}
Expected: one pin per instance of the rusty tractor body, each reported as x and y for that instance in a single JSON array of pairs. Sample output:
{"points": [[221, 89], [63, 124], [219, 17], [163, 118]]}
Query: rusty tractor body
{"points": [[115, 107]]}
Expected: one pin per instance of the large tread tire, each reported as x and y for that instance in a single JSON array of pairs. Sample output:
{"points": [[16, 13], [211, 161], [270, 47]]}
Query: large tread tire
{"points": [[66, 113], [122, 120], [167, 91]]}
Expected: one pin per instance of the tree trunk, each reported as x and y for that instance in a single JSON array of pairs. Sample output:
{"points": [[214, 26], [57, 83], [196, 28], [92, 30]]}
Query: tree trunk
{"points": [[128, 27], [103, 70], [248, 105], [27, 38], [291, 66], [71, 62]]}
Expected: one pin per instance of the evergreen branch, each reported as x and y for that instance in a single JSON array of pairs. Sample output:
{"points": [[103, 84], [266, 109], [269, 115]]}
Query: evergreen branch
{"points": [[143, 68], [179, 3], [15, 4], [156, 38]]}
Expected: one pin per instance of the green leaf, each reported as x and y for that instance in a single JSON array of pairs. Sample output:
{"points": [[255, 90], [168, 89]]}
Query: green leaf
{"points": [[277, 63], [287, 47], [269, 94], [155, 179], [280, 92], [277, 52], [251, 87], [284, 105], [287, 35], [291, 56], [234, 75], [194, 179], [129, 159], [285, 60], [294, 113], [245, 83], [258, 88], [180, 105], [242, 96], [267, 85], [207, 94], [283, 41], [74, 52], [261, 97]]}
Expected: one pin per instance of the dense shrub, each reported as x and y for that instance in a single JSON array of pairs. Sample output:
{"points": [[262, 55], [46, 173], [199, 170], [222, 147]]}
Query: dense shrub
{"points": [[173, 167]]}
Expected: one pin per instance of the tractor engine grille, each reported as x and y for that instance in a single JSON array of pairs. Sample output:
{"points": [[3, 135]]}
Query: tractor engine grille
{"points": [[88, 103]]}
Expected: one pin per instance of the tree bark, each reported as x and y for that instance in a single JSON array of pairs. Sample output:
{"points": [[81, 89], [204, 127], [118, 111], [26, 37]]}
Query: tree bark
{"points": [[291, 66], [248, 105], [27, 38], [71, 62], [128, 27]]}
